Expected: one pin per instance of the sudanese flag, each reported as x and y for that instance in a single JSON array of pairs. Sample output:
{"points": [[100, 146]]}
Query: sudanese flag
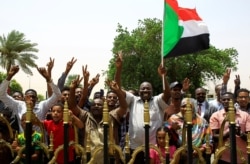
{"points": [[183, 31]]}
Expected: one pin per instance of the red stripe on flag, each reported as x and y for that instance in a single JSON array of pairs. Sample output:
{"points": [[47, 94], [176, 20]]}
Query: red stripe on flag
{"points": [[173, 4], [188, 14], [183, 13]]}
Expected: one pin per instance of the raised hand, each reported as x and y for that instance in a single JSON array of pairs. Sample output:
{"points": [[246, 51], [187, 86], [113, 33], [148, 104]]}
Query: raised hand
{"points": [[70, 64], [94, 80], [50, 66], [84, 95], [162, 70], [237, 80], [113, 85], [13, 70], [226, 76], [118, 61], [85, 74], [44, 73], [75, 83]]}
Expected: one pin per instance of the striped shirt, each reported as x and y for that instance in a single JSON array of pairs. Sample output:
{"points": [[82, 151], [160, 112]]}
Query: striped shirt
{"points": [[199, 129]]}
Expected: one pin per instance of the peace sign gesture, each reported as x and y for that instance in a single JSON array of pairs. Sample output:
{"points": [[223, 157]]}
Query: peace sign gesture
{"points": [[237, 80]]}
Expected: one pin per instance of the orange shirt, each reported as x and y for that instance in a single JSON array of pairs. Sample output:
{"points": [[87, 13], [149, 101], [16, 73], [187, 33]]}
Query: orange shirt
{"points": [[241, 117]]}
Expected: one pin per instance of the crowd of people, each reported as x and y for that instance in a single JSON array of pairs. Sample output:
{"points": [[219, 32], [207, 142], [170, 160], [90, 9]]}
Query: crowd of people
{"points": [[126, 114]]}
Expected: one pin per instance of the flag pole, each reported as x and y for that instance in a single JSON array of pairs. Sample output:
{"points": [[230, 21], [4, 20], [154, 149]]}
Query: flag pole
{"points": [[162, 43]]}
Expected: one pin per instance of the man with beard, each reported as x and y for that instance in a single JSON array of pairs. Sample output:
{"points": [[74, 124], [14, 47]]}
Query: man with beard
{"points": [[78, 93], [93, 120], [112, 100]]}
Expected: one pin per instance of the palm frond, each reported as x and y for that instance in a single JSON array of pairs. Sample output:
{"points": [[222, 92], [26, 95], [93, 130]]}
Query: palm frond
{"points": [[15, 49]]}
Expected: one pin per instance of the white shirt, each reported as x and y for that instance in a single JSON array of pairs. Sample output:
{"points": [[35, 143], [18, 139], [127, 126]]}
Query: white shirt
{"points": [[216, 104], [19, 107], [136, 118]]}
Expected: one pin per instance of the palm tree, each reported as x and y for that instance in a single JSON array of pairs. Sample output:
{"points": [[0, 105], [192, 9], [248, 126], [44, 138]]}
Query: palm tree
{"points": [[16, 50]]}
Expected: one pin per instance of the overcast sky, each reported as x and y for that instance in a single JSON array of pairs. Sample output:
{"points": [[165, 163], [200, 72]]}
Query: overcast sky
{"points": [[86, 29]]}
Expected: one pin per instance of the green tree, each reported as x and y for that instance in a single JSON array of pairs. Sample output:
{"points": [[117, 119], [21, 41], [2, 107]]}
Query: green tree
{"points": [[40, 97], [14, 85], [2, 76], [16, 50], [142, 55], [70, 79]]}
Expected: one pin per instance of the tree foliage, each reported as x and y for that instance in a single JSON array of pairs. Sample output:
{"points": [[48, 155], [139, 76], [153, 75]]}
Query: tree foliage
{"points": [[70, 79], [14, 85], [40, 97], [16, 50], [142, 55]]}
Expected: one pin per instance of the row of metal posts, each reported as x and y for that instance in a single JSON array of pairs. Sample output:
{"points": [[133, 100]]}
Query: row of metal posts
{"points": [[188, 123]]}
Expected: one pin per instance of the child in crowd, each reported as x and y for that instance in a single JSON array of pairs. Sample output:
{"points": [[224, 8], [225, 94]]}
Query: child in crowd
{"points": [[56, 127], [36, 151], [160, 143]]}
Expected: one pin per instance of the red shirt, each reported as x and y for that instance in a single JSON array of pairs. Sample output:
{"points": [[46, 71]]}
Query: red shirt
{"points": [[58, 139]]}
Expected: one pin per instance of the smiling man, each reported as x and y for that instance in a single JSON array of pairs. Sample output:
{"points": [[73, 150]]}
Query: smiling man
{"points": [[242, 97], [157, 105]]}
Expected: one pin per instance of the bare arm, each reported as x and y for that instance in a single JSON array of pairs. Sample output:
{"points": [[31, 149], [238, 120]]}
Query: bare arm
{"points": [[84, 95], [118, 64], [50, 66], [166, 92], [92, 83], [72, 98], [226, 77], [122, 101], [118, 73], [75, 120]]}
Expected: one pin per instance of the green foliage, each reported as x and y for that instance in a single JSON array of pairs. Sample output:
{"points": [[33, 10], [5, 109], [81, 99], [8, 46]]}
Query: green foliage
{"points": [[2, 76], [40, 97], [16, 50], [203, 66], [142, 55], [14, 85], [70, 79]]}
